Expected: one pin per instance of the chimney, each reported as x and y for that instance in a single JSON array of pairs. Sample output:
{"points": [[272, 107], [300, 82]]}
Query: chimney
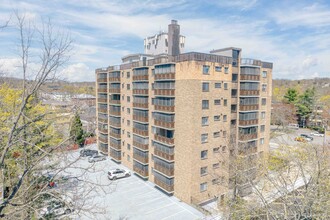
{"points": [[173, 38]]}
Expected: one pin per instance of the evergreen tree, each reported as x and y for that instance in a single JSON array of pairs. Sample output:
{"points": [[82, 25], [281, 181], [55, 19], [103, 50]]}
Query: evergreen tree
{"points": [[291, 95], [76, 131]]}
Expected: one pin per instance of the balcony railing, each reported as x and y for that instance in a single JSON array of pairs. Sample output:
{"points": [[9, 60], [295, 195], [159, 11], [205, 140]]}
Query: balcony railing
{"points": [[114, 90], [143, 173], [104, 140], [248, 107], [164, 108], [115, 135], [250, 77], [140, 91], [140, 105], [115, 156], [165, 76], [164, 124], [115, 124], [140, 132], [248, 122], [245, 137], [164, 170], [114, 79], [102, 100], [141, 78], [249, 92], [140, 118], [115, 145], [164, 186], [102, 90], [102, 80], [166, 156], [103, 120], [116, 102], [164, 139], [247, 151], [115, 113], [140, 158], [103, 110], [165, 92], [103, 130], [140, 146]]}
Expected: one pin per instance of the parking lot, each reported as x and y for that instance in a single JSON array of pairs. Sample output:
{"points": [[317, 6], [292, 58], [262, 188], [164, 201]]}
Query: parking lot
{"points": [[126, 198]]}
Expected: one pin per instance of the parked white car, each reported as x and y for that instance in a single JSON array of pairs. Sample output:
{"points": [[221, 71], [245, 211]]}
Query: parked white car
{"points": [[318, 134], [96, 158], [118, 173]]}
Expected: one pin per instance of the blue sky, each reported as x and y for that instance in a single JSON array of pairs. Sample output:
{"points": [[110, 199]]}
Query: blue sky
{"points": [[293, 34]]}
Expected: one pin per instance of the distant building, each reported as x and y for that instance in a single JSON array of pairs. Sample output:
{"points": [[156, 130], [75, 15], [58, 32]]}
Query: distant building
{"points": [[177, 119]]}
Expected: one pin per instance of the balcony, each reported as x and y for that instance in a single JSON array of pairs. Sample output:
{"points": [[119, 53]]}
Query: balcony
{"points": [[164, 139], [164, 108], [164, 124], [245, 137], [114, 79], [115, 135], [141, 78], [140, 91], [102, 100], [143, 173], [102, 90], [116, 146], [248, 122], [167, 171], [164, 186], [115, 102], [140, 158], [140, 132], [249, 92], [165, 76], [103, 130], [115, 113], [115, 156], [103, 110], [166, 156], [140, 146], [102, 80], [114, 90], [165, 92], [140, 118], [248, 107], [140, 105], [115, 124], [103, 120], [247, 151], [247, 77], [104, 140]]}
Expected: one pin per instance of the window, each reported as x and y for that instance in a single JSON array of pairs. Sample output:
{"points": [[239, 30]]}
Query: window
{"points": [[128, 110], [234, 77], [217, 85], [218, 68], [203, 171], [205, 86], [263, 101], [225, 118], [233, 108], [128, 74], [122, 109], [264, 87], [128, 122], [262, 128], [128, 147], [204, 138], [128, 158], [122, 85], [128, 98], [223, 149], [216, 134], [122, 74], [264, 74], [205, 104], [203, 187], [225, 102], [206, 69], [216, 150], [122, 120], [225, 86], [216, 118], [226, 70], [128, 134], [128, 86], [234, 93], [224, 134], [263, 115], [217, 102], [123, 97], [216, 165], [204, 154], [205, 121], [262, 140], [215, 181]]}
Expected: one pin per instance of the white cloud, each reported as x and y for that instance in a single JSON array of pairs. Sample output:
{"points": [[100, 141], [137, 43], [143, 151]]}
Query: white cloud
{"points": [[77, 72]]}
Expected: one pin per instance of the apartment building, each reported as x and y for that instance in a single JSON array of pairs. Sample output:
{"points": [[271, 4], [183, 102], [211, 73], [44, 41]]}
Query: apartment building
{"points": [[177, 119]]}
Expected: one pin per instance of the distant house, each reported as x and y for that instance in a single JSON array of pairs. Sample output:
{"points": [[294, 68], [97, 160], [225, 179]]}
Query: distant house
{"points": [[82, 99]]}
